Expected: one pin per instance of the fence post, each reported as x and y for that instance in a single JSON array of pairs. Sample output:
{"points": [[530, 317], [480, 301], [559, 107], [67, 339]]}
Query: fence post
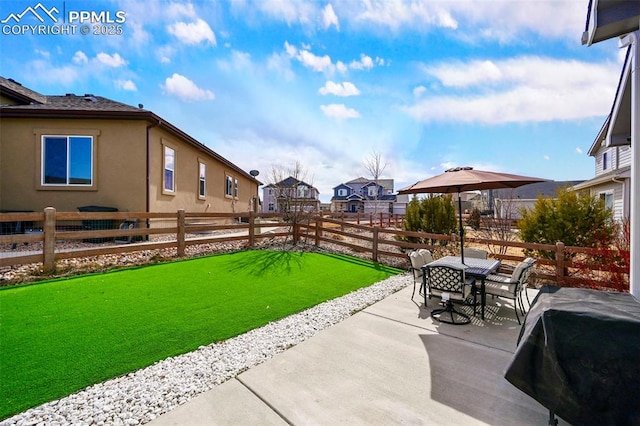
{"points": [[560, 262], [49, 243], [181, 237], [296, 233], [252, 230], [370, 219], [318, 230], [375, 244]]}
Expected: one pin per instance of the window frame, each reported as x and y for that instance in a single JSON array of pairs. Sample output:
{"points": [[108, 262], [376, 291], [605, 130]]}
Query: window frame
{"points": [[607, 196], [202, 180], [68, 151], [39, 137], [172, 190], [228, 186], [605, 160]]}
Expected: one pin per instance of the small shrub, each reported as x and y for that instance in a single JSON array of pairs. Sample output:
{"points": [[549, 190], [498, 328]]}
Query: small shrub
{"points": [[474, 219]]}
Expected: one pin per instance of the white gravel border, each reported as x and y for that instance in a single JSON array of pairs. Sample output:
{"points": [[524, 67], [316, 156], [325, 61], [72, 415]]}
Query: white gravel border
{"points": [[143, 395]]}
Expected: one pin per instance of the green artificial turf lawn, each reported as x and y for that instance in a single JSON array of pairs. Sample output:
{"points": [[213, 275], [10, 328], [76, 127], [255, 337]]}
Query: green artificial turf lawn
{"points": [[59, 336]]}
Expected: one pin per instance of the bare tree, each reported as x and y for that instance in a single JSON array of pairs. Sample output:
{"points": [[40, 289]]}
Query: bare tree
{"points": [[500, 226], [375, 165], [295, 196]]}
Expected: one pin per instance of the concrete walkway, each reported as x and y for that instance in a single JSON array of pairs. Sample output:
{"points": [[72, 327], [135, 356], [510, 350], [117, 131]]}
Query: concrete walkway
{"points": [[388, 364]]}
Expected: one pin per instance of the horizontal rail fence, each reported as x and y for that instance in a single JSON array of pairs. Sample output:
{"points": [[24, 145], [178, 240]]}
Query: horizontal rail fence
{"points": [[46, 237]]}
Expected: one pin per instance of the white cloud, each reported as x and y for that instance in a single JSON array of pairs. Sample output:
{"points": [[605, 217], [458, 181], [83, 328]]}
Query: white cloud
{"points": [[546, 157], [114, 60], [289, 11], [65, 75], [43, 53], [578, 150], [329, 17], [418, 91], [80, 58], [186, 89], [502, 20], [192, 32], [365, 63], [339, 89], [339, 111], [395, 14], [520, 89], [280, 63], [317, 63], [126, 85], [239, 60], [176, 10]]}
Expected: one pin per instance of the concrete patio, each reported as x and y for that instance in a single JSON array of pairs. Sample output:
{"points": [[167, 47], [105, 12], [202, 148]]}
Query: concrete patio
{"points": [[388, 364]]}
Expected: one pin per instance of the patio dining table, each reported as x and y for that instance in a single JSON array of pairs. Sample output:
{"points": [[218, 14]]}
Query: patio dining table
{"points": [[476, 268]]}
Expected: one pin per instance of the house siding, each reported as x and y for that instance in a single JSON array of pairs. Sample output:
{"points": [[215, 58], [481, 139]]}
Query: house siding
{"points": [[119, 169], [119, 178]]}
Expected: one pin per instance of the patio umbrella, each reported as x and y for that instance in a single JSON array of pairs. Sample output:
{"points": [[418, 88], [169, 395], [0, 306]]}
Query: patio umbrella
{"points": [[461, 179]]}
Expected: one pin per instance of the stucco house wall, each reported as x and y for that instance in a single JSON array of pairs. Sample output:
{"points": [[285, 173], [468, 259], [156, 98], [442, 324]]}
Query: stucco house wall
{"points": [[127, 158]]}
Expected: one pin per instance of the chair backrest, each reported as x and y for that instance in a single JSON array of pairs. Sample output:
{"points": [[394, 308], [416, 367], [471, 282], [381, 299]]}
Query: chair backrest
{"points": [[522, 272], [427, 257], [446, 278], [475, 253], [417, 260]]}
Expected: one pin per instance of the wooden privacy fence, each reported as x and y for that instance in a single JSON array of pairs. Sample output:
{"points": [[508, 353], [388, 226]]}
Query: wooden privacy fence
{"points": [[378, 238]]}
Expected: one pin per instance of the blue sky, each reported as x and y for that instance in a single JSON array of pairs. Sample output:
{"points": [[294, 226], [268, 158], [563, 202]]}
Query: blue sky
{"points": [[496, 85]]}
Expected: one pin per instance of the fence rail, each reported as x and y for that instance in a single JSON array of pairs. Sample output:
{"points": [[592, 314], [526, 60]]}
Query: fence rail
{"points": [[376, 236]]}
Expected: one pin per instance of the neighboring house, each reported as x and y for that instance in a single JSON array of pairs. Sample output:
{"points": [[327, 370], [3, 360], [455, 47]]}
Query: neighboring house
{"points": [[71, 151], [290, 195], [612, 152], [364, 196], [508, 203]]}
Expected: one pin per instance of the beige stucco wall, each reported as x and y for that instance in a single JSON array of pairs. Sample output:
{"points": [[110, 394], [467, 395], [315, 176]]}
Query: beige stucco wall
{"points": [[120, 169], [186, 194]]}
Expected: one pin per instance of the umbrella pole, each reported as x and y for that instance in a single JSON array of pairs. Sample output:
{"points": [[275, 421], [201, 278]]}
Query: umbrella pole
{"points": [[461, 229]]}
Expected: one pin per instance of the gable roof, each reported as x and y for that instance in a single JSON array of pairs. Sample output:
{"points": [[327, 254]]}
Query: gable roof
{"points": [[619, 131], [19, 93], [35, 105], [612, 176], [289, 182]]}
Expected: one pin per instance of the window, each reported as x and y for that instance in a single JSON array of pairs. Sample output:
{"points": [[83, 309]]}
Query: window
{"points": [[372, 191], [228, 188], [67, 160], [169, 169], [342, 192], [605, 161], [271, 207], [235, 188], [202, 180], [302, 191], [607, 199]]}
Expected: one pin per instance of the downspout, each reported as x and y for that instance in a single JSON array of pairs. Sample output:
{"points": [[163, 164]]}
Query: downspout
{"points": [[148, 168], [633, 40]]}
